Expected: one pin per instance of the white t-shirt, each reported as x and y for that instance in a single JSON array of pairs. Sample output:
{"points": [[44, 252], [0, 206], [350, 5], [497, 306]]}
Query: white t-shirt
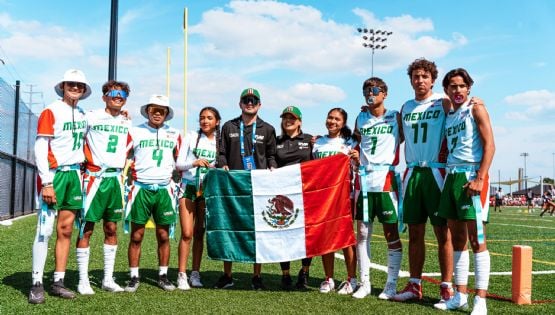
{"points": [[191, 151]]}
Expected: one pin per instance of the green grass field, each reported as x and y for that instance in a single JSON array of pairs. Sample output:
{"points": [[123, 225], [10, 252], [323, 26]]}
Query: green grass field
{"points": [[508, 228]]}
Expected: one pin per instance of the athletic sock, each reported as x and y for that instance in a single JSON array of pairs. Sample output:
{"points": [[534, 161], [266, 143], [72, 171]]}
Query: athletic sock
{"points": [[364, 233], [40, 245], [83, 255], [59, 275], [462, 265], [394, 257], [482, 266], [163, 270], [109, 261], [415, 280], [134, 272]]}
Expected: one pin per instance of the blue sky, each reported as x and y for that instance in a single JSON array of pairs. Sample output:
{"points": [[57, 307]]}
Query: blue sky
{"points": [[304, 53]]}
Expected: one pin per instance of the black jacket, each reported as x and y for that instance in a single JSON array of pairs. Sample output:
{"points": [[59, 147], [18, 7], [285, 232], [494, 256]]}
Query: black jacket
{"points": [[230, 146]]}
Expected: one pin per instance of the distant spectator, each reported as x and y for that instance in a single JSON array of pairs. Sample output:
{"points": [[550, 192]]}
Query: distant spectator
{"points": [[498, 199]]}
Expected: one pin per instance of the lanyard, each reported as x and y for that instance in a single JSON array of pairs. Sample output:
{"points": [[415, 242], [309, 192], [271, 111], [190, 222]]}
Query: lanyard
{"points": [[242, 138]]}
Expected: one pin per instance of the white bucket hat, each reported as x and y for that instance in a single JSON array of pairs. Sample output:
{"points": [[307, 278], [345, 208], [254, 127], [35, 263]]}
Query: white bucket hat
{"points": [[74, 75], [160, 100]]}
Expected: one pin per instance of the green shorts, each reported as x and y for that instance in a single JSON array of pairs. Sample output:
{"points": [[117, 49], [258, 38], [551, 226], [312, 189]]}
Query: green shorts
{"points": [[422, 191], [67, 186], [455, 204], [380, 204], [156, 203], [190, 192], [104, 199]]}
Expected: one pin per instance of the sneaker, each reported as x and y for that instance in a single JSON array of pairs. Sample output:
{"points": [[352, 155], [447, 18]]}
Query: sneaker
{"points": [[480, 307], [412, 291], [111, 286], [364, 289], [133, 285], [389, 291], [84, 288], [458, 302], [194, 280], [286, 282], [446, 293], [164, 283], [182, 283], [224, 282], [36, 294], [257, 283], [346, 287], [58, 289], [302, 280], [327, 286]]}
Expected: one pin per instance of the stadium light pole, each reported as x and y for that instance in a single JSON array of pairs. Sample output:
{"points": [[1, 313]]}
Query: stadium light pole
{"points": [[375, 39], [525, 154]]}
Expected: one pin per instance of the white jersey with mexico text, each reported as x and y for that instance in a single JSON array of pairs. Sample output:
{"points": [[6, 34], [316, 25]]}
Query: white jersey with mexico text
{"points": [[107, 140], [326, 146], [463, 139], [155, 153], [65, 126], [423, 127], [379, 148], [192, 151]]}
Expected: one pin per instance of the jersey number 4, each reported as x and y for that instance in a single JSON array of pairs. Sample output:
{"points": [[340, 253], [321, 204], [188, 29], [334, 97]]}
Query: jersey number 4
{"points": [[157, 156]]}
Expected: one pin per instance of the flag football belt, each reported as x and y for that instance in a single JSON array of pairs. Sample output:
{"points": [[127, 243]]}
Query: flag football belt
{"points": [[103, 173], [452, 169], [151, 187], [67, 168], [426, 164], [363, 171], [108, 172], [156, 187], [476, 202]]}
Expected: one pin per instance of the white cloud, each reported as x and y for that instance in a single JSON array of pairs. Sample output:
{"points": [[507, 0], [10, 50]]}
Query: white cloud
{"points": [[32, 39], [533, 104]]}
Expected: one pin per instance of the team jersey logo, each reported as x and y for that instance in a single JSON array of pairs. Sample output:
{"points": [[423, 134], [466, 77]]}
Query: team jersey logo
{"points": [[281, 212]]}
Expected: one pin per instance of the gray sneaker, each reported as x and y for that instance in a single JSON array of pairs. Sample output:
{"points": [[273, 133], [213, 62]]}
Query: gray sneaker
{"points": [[58, 289], [133, 285], [165, 283], [36, 295]]}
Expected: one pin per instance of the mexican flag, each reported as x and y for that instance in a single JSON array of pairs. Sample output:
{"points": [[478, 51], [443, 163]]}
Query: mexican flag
{"points": [[293, 212]]}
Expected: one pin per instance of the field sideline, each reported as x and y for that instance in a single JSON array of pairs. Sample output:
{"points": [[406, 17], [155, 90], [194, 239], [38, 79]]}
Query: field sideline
{"points": [[508, 228]]}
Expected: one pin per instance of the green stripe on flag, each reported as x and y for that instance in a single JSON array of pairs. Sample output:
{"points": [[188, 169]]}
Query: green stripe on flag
{"points": [[229, 216]]}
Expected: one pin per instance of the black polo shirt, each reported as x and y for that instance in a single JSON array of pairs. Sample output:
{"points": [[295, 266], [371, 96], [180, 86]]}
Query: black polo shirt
{"points": [[293, 150]]}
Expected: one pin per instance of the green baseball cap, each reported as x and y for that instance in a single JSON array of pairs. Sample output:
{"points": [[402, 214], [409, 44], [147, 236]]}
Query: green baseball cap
{"points": [[250, 91], [295, 111]]}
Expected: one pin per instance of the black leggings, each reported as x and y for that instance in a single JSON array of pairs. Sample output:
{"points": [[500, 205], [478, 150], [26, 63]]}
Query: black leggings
{"points": [[286, 265]]}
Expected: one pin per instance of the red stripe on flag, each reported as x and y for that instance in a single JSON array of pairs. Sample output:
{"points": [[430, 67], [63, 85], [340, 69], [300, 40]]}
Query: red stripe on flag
{"points": [[327, 205]]}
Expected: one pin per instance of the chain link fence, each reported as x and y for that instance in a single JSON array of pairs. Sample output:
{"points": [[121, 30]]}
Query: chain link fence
{"points": [[17, 160]]}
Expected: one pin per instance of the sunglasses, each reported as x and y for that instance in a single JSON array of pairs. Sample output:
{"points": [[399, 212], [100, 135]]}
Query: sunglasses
{"points": [[116, 93], [375, 90], [156, 109], [250, 99], [78, 85]]}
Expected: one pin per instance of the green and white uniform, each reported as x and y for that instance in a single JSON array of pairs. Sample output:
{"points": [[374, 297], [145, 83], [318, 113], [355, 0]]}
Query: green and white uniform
{"points": [[107, 143], [465, 154], [423, 128], [378, 157], [155, 152], [192, 150]]}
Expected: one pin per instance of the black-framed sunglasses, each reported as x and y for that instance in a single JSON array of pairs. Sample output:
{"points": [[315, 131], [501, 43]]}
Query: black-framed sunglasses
{"points": [[375, 90], [79, 85], [250, 99]]}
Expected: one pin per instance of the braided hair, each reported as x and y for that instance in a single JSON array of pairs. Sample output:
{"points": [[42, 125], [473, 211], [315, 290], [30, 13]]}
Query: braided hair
{"points": [[216, 131]]}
